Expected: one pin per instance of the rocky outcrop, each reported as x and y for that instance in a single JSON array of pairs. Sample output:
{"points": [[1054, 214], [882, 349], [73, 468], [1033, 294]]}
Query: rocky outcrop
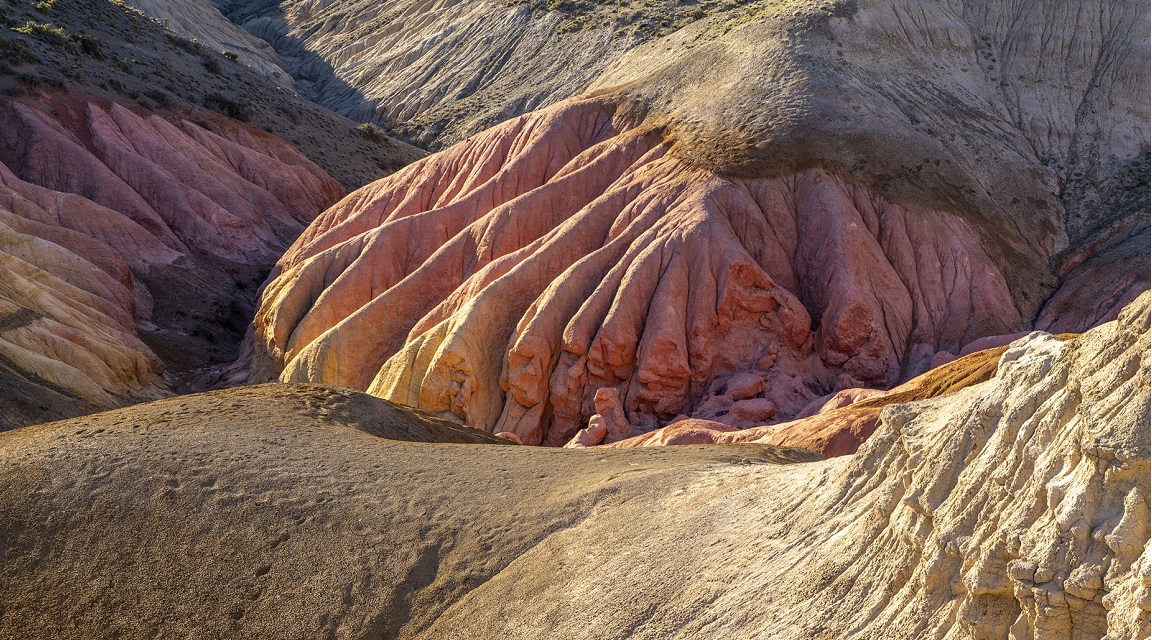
{"points": [[1016, 507], [115, 221], [684, 229], [833, 425]]}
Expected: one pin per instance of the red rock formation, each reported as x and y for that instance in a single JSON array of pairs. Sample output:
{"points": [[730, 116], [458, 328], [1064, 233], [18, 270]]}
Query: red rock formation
{"points": [[95, 196], [841, 422], [509, 279], [228, 194]]}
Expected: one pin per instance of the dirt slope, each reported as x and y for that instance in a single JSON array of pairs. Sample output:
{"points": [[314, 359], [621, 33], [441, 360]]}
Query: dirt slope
{"points": [[441, 71], [1016, 506], [113, 51]]}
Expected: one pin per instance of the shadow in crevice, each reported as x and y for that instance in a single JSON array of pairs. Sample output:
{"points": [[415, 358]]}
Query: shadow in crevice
{"points": [[315, 78]]}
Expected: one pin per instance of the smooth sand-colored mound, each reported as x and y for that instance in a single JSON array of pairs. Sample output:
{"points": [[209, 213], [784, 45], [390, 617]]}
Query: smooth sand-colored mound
{"points": [[1017, 507]]}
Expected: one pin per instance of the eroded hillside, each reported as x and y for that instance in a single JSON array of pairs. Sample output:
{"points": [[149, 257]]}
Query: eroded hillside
{"points": [[148, 239], [140, 209], [441, 71], [827, 199], [112, 51]]}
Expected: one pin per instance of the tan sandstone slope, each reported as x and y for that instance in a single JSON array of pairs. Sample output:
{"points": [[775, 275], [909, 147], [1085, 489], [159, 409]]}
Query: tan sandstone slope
{"points": [[1018, 507], [833, 197]]}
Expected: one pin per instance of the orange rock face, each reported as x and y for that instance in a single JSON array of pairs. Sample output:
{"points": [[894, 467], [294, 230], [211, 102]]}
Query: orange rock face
{"points": [[511, 278], [95, 199]]}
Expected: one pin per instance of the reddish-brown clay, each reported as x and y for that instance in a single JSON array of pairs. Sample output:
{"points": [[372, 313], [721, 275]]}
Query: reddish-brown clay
{"points": [[510, 279], [95, 195]]}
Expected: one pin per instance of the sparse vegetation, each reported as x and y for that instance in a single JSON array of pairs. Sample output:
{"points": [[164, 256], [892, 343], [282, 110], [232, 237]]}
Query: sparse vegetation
{"points": [[161, 98], [117, 50], [45, 30], [16, 52], [372, 132], [646, 19], [90, 45], [226, 106]]}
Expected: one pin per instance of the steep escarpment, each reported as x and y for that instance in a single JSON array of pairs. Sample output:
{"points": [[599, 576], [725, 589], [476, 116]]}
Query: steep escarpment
{"points": [[792, 208], [1016, 507], [130, 240]]}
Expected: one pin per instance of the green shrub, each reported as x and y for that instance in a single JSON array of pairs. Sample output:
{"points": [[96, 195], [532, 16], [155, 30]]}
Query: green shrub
{"points": [[372, 132], [44, 30], [89, 45], [16, 52]]}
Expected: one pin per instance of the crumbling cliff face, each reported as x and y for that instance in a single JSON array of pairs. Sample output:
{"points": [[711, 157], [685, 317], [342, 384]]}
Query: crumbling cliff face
{"points": [[816, 213], [115, 220]]}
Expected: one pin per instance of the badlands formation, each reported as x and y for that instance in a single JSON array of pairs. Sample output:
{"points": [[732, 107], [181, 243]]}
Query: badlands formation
{"points": [[136, 225], [146, 209], [835, 197], [892, 255]]}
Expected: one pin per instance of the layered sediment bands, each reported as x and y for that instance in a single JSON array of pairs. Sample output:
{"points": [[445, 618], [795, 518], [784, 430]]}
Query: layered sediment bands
{"points": [[506, 280], [1013, 508], [115, 220], [227, 195], [833, 197]]}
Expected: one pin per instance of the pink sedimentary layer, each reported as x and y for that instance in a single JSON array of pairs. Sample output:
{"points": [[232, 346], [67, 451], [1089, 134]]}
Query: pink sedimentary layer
{"points": [[92, 194], [508, 279]]}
